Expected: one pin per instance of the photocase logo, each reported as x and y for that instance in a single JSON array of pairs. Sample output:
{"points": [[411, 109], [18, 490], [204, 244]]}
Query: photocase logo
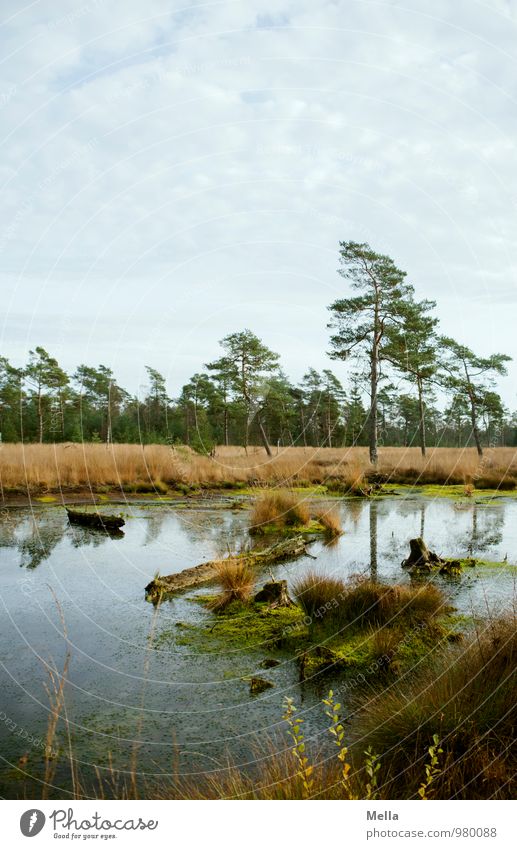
{"points": [[31, 822]]}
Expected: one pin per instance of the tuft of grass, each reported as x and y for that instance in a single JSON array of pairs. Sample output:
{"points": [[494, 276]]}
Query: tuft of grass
{"points": [[364, 603], [236, 581], [317, 594], [469, 700], [370, 603], [331, 521], [280, 508]]}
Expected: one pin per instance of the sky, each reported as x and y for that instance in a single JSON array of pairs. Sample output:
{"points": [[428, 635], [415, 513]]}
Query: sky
{"points": [[173, 172]]}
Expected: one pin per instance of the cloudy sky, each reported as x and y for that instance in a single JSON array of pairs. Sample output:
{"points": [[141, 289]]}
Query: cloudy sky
{"points": [[172, 172]]}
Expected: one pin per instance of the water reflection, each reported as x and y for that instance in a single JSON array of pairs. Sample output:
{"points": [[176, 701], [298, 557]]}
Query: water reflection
{"points": [[373, 539], [37, 534], [379, 528], [199, 697], [39, 542]]}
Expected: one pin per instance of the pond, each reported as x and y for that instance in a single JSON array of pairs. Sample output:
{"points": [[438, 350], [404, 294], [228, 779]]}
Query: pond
{"points": [[189, 710]]}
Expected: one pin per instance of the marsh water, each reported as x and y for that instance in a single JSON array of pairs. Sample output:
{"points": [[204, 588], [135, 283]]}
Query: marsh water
{"points": [[189, 710]]}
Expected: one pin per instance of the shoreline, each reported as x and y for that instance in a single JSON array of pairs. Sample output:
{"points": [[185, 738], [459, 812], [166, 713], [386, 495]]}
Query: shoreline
{"points": [[238, 495]]}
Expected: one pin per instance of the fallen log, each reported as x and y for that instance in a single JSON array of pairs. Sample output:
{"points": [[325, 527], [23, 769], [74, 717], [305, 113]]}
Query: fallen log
{"points": [[161, 586], [94, 520]]}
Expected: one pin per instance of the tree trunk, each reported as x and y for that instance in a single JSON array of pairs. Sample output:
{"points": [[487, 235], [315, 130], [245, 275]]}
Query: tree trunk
{"points": [[264, 437], [373, 404], [373, 540], [226, 426], [475, 430], [421, 408], [302, 416], [40, 417], [187, 426], [274, 593]]}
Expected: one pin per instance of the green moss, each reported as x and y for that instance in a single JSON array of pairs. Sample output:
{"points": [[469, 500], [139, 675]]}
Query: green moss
{"points": [[469, 563], [46, 499], [351, 652], [313, 527], [257, 627], [496, 564], [453, 491], [241, 626]]}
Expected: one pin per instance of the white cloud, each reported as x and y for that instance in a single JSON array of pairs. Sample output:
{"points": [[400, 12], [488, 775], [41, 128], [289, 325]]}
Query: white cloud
{"points": [[173, 172]]}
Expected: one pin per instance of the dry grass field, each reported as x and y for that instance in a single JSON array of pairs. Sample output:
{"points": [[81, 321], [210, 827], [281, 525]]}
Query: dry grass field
{"points": [[159, 468]]}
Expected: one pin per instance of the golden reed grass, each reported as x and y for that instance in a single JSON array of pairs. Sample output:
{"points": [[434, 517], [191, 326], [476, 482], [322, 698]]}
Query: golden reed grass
{"points": [[78, 466]]}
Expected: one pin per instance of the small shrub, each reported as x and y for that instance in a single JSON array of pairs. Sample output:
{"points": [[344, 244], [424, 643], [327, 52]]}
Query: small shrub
{"points": [[161, 487], [495, 480], [421, 601], [148, 487], [385, 642]]}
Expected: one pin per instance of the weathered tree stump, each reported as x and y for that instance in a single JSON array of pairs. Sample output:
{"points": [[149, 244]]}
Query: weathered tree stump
{"points": [[275, 594], [420, 558]]}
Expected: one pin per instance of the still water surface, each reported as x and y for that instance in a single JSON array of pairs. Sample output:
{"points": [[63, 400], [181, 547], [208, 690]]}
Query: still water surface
{"points": [[187, 707]]}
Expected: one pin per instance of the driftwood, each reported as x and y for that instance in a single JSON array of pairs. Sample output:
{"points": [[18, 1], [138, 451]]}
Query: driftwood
{"points": [[95, 520], [166, 585]]}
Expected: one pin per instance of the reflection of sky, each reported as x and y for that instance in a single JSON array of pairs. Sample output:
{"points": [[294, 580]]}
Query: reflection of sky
{"points": [[201, 699]]}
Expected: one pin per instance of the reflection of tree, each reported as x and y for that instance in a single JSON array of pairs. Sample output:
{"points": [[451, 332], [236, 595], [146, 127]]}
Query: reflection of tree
{"points": [[40, 541], [154, 525], [223, 530], [353, 509], [11, 520], [36, 539], [373, 539], [487, 528]]}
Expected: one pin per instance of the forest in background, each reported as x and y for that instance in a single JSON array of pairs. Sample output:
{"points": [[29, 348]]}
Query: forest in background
{"points": [[406, 385]]}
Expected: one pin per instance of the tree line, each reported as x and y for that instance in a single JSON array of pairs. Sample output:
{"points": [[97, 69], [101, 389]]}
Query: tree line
{"points": [[400, 366]]}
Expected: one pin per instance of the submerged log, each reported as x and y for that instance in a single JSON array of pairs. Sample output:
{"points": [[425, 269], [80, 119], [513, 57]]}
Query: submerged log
{"points": [[258, 685], [161, 586], [94, 520], [274, 593]]}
